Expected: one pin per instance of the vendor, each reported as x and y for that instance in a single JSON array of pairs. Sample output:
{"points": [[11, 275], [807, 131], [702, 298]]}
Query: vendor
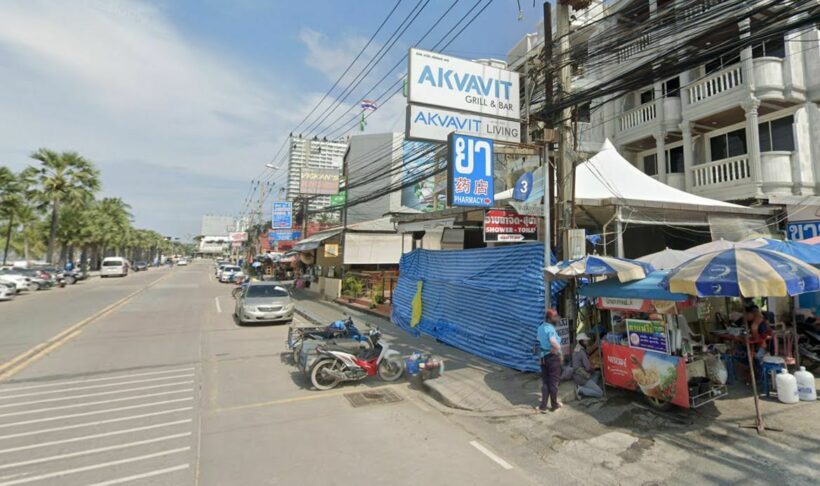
{"points": [[583, 374], [759, 328]]}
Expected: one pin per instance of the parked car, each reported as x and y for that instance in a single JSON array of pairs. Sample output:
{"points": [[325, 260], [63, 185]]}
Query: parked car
{"points": [[140, 266], [182, 262], [230, 273], [36, 279], [20, 282], [114, 266], [264, 302], [7, 291], [219, 268]]}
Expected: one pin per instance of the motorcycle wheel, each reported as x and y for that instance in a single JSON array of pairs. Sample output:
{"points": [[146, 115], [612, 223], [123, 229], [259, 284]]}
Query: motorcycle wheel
{"points": [[391, 369], [318, 381], [71, 280]]}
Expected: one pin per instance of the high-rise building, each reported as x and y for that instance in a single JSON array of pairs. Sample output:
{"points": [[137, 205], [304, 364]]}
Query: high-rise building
{"points": [[312, 153]]}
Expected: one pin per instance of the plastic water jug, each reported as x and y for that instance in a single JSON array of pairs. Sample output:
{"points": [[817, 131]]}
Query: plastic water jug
{"points": [[805, 385], [787, 387]]}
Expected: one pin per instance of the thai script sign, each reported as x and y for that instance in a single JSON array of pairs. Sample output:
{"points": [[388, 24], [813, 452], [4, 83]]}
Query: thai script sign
{"points": [[649, 335], [282, 215], [470, 171], [505, 225]]}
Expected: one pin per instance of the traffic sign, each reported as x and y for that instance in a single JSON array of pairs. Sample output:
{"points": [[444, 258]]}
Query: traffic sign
{"points": [[282, 215]]}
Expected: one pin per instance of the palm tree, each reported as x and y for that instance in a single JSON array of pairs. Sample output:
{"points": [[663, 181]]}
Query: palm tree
{"points": [[9, 202], [63, 178], [112, 222]]}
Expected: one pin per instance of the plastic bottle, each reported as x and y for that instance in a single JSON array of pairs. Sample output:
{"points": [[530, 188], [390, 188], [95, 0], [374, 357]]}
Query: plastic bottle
{"points": [[806, 389], [787, 387]]}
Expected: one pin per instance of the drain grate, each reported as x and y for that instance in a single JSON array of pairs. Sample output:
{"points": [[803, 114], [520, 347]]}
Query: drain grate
{"points": [[372, 397]]}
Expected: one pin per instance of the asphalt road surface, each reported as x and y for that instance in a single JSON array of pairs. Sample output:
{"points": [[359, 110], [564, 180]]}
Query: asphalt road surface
{"points": [[148, 380]]}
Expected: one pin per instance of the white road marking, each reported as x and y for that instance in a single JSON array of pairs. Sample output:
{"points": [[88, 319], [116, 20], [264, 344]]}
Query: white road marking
{"points": [[97, 422], [95, 412], [98, 394], [149, 474], [218, 308], [100, 402], [90, 380], [94, 451], [487, 452], [65, 472], [91, 387], [95, 436]]}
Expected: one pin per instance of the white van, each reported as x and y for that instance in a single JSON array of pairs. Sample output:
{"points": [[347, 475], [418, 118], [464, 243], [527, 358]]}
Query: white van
{"points": [[116, 266]]}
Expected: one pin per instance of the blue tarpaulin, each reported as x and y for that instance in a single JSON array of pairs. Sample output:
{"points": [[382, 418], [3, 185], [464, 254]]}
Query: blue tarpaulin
{"points": [[486, 301]]}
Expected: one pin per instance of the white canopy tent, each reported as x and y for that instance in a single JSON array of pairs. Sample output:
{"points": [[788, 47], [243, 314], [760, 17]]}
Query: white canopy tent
{"points": [[608, 188]]}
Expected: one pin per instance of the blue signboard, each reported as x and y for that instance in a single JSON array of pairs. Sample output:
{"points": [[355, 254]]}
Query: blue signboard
{"points": [[523, 187], [284, 235], [282, 215], [470, 171], [648, 335], [802, 230]]}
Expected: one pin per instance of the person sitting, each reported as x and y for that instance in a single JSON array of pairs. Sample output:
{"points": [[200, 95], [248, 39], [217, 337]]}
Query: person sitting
{"points": [[759, 328], [583, 374]]}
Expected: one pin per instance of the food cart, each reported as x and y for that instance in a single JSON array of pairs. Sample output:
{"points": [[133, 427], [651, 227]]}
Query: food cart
{"points": [[643, 349]]}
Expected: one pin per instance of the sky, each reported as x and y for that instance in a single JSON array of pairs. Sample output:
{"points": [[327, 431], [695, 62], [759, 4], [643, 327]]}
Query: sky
{"points": [[181, 103]]}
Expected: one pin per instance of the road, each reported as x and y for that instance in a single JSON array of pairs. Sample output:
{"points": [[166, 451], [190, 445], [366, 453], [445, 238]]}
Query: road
{"points": [[147, 380]]}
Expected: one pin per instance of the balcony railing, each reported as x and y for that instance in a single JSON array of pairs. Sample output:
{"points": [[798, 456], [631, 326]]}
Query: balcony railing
{"points": [[715, 84], [634, 48], [699, 8], [722, 171], [638, 116]]}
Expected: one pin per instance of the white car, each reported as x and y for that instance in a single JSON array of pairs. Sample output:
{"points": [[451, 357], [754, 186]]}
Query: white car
{"points": [[7, 291], [19, 281], [114, 266], [229, 273], [182, 262]]}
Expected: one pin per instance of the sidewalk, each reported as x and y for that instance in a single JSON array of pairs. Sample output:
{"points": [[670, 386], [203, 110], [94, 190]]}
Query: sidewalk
{"points": [[468, 382]]}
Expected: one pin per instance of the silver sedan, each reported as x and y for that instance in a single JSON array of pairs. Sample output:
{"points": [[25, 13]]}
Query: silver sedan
{"points": [[264, 302]]}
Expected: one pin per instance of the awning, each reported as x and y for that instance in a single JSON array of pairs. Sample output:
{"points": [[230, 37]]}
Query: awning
{"points": [[649, 288], [313, 242], [372, 248]]}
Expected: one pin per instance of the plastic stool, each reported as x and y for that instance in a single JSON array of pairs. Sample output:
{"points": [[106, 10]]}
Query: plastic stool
{"points": [[767, 368]]}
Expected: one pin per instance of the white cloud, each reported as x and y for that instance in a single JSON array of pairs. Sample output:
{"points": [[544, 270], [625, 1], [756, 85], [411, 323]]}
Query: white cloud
{"points": [[118, 82], [331, 57]]}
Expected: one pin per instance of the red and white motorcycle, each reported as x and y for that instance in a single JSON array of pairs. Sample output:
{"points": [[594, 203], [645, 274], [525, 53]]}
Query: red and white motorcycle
{"points": [[335, 365]]}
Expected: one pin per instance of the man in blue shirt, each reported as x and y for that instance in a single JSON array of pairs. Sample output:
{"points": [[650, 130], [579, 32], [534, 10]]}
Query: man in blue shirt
{"points": [[550, 355]]}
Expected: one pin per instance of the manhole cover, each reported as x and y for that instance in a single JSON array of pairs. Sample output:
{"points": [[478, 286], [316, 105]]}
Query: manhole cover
{"points": [[373, 397]]}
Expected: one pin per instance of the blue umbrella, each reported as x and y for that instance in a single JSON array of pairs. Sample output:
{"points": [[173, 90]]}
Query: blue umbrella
{"points": [[601, 266], [650, 288], [807, 253], [744, 272]]}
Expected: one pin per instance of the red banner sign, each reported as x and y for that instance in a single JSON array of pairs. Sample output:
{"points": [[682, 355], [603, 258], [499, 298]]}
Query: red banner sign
{"points": [[656, 375], [505, 225]]}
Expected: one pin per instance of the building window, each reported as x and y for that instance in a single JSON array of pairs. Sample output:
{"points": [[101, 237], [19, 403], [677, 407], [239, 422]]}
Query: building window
{"points": [[650, 164], [770, 48], [777, 135], [722, 62], [647, 96], [727, 145], [674, 160], [671, 87], [583, 113]]}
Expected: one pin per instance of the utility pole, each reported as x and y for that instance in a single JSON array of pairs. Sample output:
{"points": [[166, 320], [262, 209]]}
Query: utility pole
{"points": [[564, 161], [548, 199]]}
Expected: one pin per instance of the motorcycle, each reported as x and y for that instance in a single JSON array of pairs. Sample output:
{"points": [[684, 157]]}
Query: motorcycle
{"points": [[336, 365], [335, 331]]}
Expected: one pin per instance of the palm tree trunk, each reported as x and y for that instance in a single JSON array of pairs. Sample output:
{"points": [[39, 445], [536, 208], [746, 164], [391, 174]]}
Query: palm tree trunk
{"points": [[8, 239], [25, 243], [53, 234]]}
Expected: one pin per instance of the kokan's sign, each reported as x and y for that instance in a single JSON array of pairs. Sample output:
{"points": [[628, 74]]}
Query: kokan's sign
{"points": [[319, 181], [502, 225], [435, 124], [238, 237], [448, 82]]}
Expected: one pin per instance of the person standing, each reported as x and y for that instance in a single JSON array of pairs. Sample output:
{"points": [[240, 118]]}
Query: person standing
{"points": [[550, 356]]}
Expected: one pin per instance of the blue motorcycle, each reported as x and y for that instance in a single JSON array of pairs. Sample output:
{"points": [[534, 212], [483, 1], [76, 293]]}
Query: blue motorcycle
{"points": [[339, 332]]}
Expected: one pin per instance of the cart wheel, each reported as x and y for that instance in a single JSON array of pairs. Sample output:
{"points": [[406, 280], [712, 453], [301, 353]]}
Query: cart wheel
{"points": [[658, 404]]}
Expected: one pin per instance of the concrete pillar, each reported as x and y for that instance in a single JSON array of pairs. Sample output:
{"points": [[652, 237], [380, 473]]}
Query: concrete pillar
{"points": [[746, 60], [660, 144], [688, 155], [753, 144]]}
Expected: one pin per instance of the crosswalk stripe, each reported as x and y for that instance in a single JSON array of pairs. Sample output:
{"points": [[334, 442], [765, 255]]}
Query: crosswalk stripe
{"points": [[97, 394], [91, 387], [99, 402], [144, 475]]}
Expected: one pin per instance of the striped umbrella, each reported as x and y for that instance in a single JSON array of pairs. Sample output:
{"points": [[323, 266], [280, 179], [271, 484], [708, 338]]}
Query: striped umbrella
{"points": [[601, 266], [744, 272]]}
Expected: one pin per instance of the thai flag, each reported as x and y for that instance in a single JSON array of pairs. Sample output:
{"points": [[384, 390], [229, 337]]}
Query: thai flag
{"points": [[369, 105]]}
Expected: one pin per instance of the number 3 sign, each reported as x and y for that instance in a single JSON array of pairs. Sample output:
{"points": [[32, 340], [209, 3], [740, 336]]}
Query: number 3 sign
{"points": [[470, 171]]}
